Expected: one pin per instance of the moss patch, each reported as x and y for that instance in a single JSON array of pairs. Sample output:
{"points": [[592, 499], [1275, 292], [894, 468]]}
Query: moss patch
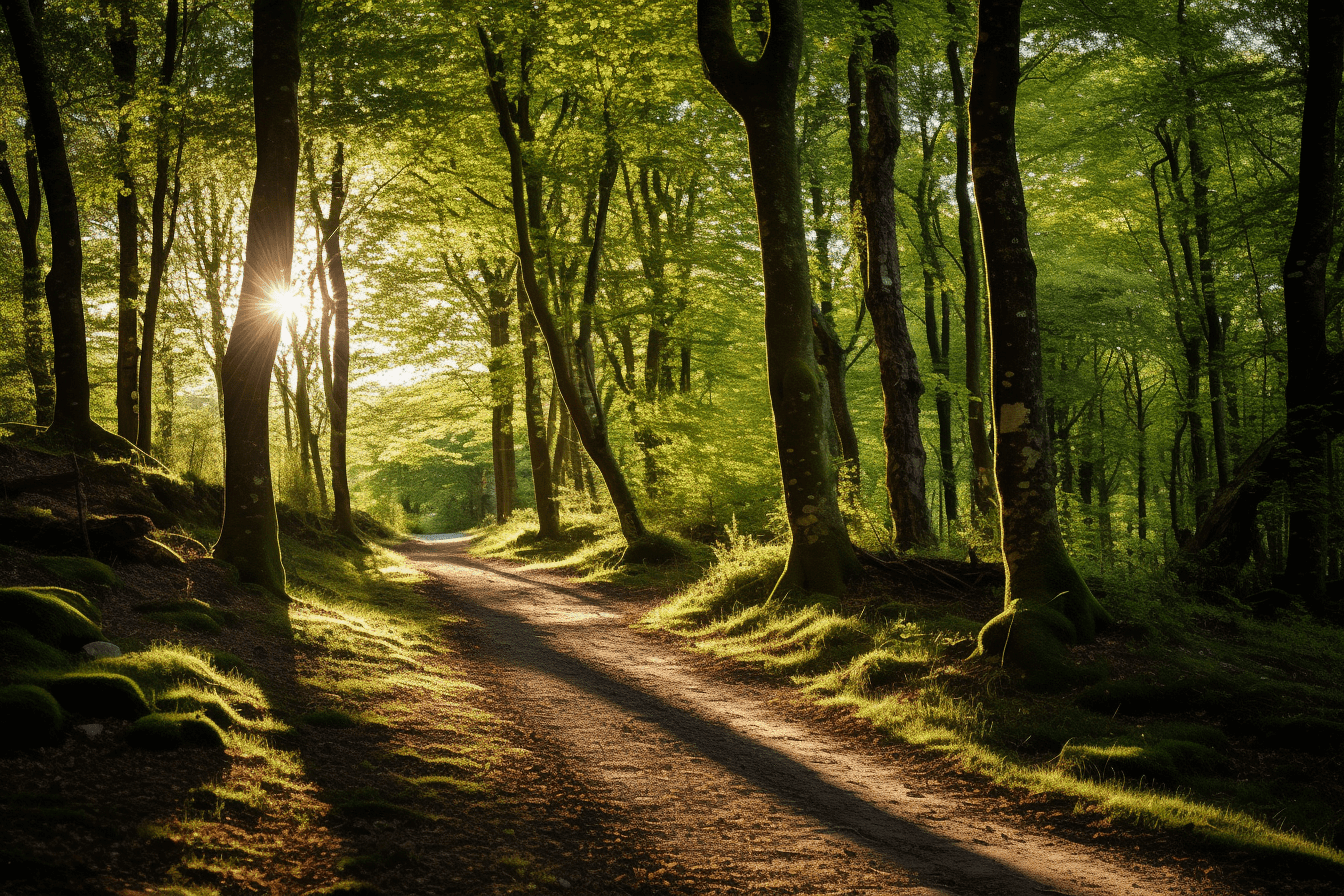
{"points": [[20, 651], [99, 694], [47, 618], [76, 600], [29, 717], [170, 731], [329, 718], [81, 569]]}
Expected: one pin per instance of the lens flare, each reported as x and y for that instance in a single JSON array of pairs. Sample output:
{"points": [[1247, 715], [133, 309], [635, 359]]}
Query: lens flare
{"points": [[285, 301]]}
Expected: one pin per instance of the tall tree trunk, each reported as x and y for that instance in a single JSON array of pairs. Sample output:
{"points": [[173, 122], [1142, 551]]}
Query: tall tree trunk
{"points": [[1046, 602], [585, 414], [26, 225], [70, 418], [937, 328], [1305, 281], [543, 487], [763, 93], [163, 223], [831, 355], [898, 368], [982, 459], [122, 39], [338, 401], [249, 537], [501, 392]]}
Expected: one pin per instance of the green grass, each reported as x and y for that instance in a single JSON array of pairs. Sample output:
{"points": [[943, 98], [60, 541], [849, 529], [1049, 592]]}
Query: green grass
{"points": [[1129, 746], [81, 569]]}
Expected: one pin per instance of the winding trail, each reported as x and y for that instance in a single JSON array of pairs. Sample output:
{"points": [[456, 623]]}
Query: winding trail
{"points": [[729, 783]]}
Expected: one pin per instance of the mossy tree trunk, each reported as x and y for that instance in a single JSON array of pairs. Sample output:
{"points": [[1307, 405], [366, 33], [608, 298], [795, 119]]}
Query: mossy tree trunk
{"points": [[1305, 294], [763, 92], [70, 417], [249, 537], [897, 365], [1046, 603]]}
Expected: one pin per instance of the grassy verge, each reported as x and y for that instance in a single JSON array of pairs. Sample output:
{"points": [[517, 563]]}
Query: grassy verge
{"points": [[1185, 718]]}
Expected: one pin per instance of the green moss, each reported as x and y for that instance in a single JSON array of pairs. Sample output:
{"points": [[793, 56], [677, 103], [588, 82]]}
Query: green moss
{"points": [[81, 569], [1133, 697], [654, 549], [884, 668], [47, 618], [227, 662], [169, 731], [76, 600], [99, 694], [190, 615], [193, 700], [19, 651], [329, 718], [29, 717]]}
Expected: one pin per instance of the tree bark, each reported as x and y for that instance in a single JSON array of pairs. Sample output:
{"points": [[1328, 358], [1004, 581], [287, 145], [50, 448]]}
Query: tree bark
{"points": [[338, 400], [543, 487], [26, 226], [586, 414], [898, 368], [763, 93], [70, 417], [122, 35], [501, 392], [1047, 605], [249, 537], [1305, 284], [982, 458], [163, 223]]}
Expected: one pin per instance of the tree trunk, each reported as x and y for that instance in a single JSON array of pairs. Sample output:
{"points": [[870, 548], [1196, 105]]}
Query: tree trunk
{"points": [[1305, 287], [763, 93], [70, 417], [163, 225], [982, 459], [543, 488], [249, 537], [501, 392], [831, 355], [586, 415], [936, 328], [26, 225], [898, 368], [1046, 603], [338, 401], [121, 42]]}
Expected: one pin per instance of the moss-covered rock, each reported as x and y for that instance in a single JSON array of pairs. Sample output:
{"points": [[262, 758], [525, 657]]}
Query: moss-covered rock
{"points": [[190, 615], [172, 730], [47, 618], [76, 600], [81, 569], [20, 651], [29, 717], [99, 694]]}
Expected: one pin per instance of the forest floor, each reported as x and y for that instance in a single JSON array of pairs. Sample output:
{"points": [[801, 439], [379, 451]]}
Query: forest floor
{"points": [[731, 782]]}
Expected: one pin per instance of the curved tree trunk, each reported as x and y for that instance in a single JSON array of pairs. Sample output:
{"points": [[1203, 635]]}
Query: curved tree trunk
{"points": [[26, 225], [339, 397], [1305, 280], [898, 368], [543, 485], [763, 92], [249, 537], [982, 458], [70, 417], [1046, 603], [584, 412]]}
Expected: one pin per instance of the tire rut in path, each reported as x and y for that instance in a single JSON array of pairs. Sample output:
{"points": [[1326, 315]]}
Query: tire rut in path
{"points": [[726, 783]]}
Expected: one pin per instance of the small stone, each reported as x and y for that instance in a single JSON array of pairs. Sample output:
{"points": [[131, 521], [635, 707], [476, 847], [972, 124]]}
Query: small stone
{"points": [[564, 884], [93, 729], [98, 649]]}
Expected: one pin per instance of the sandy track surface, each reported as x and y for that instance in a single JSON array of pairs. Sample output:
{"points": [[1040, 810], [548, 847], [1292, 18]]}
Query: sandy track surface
{"points": [[731, 786]]}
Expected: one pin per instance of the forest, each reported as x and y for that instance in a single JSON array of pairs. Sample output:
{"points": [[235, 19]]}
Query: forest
{"points": [[972, 367]]}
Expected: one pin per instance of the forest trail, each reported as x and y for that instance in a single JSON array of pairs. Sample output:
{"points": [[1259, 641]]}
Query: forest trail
{"points": [[732, 786]]}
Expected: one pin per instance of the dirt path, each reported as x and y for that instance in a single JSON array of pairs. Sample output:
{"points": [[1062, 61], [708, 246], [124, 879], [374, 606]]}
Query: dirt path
{"points": [[731, 786]]}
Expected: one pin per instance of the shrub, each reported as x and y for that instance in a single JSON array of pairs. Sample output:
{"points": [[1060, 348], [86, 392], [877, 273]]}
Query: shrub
{"points": [[47, 618], [99, 694], [29, 717]]}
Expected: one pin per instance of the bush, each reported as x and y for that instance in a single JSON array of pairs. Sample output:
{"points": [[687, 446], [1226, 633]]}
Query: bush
{"points": [[99, 694], [81, 569], [29, 717], [171, 730], [47, 618]]}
